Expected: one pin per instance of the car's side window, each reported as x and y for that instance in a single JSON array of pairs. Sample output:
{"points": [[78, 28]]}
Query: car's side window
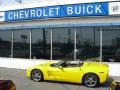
{"points": [[64, 64], [70, 64]]}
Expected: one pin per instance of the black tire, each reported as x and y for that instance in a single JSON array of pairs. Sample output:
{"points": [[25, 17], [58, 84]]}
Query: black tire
{"points": [[36, 75], [90, 80]]}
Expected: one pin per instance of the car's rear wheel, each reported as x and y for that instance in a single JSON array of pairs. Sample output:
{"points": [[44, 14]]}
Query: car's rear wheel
{"points": [[36, 75], [91, 80]]}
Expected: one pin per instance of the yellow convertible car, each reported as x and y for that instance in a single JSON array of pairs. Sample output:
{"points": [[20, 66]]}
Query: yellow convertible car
{"points": [[89, 73]]}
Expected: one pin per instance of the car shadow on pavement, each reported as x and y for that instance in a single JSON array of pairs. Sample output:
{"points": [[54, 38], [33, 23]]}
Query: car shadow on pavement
{"points": [[61, 82], [105, 85]]}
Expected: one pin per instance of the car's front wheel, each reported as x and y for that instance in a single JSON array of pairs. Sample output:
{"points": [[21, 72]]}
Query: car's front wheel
{"points": [[91, 80], [36, 75]]}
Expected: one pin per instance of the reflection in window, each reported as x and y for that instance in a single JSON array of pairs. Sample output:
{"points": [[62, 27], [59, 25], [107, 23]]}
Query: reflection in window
{"points": [[111, 44], [21, 48], [63, 43], [87, 42], [41, 43], [5, 43]]}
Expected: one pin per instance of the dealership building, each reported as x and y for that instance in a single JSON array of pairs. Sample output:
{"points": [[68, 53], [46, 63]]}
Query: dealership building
{"points": [[60, 30]]}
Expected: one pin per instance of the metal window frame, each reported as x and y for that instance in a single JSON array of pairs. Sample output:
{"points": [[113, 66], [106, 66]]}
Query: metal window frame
{"points": [[30, 43], [12, 42], [75, 43], [51, 52], [101, 44]]}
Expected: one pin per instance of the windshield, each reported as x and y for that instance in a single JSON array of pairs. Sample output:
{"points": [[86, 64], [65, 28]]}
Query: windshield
{"points": [[57, 64]]}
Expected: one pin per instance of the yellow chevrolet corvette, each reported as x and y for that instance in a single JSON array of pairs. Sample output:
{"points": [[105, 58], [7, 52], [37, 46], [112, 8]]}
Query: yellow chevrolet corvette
{"points": [[90, 74]]}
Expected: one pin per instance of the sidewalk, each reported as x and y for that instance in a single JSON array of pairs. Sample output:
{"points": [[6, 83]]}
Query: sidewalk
{"points": [[116, 78]]}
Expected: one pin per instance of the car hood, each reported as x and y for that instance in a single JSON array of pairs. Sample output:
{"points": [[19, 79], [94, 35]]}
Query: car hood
{"points": [[39, 66], [46, 63]]}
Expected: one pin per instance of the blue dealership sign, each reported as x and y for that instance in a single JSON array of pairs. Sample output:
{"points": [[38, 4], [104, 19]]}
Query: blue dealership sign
{"points": [[74, 10]]}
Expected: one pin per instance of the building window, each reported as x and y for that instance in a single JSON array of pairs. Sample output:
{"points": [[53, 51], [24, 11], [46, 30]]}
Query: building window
{"points": [[21, 44], [87, 43], [63, 43], [111, 44], [41, 43], [5, 43]]}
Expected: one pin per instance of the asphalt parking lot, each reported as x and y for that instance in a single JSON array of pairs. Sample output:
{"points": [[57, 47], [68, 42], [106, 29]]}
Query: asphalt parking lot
{"points": [[24, 83]]}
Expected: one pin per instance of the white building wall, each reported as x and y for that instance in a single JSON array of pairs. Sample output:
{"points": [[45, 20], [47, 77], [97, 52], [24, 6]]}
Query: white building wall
{"points": [[47, 3], [63, 21]]}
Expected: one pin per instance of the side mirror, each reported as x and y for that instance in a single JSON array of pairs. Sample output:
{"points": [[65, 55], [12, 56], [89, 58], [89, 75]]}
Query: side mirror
{"points": [[60, 67]]}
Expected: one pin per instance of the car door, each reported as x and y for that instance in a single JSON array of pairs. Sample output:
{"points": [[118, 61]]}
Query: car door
{"points": [[69, 74]]}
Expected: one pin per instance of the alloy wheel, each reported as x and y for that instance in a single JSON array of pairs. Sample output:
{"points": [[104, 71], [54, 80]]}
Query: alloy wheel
{"points": [[90, 80], [36, 75]]}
